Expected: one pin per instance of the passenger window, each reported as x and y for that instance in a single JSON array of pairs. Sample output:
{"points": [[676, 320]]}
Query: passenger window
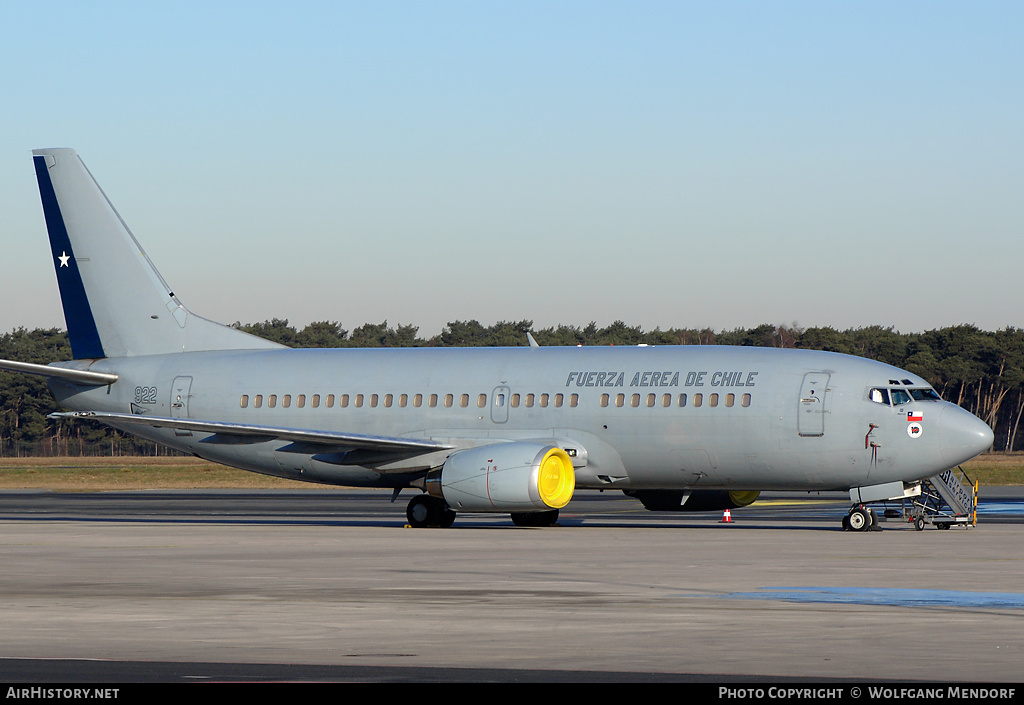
{"points": [[373, 401], [682, 400], [481, 400], [389, 399], [449, 400], [666, 400], [245, 400], [515, 401], [574, 399], [464, 401], [698, 399], [315, 401], [300, 401], [433, 400], [330, 401], [544, 400], [650, 399], [499, 400], [745, 400], [529, 401], [713, 400], [286, 400], [730, 399], [620, 399], [558, 400], [417, 400], [604, 399], [359, 401], [634, 400], [403, 400], [272, 401], [344, 401]]}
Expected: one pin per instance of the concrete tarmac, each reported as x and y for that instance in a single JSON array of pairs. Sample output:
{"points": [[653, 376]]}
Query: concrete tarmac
{"points": [[185, 586]]}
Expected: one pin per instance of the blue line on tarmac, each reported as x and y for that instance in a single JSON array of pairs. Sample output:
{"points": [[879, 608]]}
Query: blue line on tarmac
{"points": [[901, 597]]}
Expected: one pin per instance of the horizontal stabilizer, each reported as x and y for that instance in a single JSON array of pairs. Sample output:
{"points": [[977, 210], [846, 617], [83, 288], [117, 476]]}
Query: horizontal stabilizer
{"points": [[77, 376], [327, 440]]}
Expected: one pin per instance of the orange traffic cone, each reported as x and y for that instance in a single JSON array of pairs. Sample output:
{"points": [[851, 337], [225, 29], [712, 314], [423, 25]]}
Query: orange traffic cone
{"points": [[727, 517]]}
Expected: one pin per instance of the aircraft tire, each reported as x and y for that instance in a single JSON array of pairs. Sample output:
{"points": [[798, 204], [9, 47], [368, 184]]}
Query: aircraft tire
{"points": [[425, 511], [418, 512], [447, 518], [859, 520]]}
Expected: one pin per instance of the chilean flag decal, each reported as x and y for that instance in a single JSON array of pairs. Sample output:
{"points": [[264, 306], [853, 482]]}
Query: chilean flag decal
{"points": [[915, 416]]}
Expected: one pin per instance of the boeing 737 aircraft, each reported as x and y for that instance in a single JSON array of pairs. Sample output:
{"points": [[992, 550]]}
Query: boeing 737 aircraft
{"points": [[510, 430]]}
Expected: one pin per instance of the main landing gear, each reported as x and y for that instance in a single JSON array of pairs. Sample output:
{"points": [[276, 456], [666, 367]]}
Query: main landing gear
{"points": [[426, 511], [861, 518]]}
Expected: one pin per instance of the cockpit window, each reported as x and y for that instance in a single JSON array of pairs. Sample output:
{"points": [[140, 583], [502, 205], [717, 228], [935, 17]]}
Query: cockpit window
{"points": [[899, 396], [925, 394], [879, 396]]}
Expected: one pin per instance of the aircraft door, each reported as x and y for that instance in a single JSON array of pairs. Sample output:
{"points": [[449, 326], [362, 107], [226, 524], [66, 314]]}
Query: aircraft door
{"points": [[180, 391], [499, 405], [811, 412]]}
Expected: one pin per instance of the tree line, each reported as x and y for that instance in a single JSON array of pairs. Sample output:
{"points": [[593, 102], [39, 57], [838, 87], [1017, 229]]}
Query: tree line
{"points": [[982, 371]]}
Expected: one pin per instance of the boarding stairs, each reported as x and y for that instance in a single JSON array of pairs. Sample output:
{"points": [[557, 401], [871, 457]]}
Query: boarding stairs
{"points": [[947, 499]]}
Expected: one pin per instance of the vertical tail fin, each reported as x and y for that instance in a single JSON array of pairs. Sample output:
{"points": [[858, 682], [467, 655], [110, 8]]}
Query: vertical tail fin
{"points": [[115, 302]]}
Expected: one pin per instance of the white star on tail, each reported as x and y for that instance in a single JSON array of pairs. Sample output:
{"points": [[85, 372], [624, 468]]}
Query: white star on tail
{"points": [[64, 257]]}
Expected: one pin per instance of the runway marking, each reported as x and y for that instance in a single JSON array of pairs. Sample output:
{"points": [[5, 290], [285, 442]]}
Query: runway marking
{"points": [[898, 597]]}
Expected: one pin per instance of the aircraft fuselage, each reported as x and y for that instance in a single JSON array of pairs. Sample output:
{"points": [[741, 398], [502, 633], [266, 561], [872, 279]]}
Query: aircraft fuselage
{"points": [[631, 417]]}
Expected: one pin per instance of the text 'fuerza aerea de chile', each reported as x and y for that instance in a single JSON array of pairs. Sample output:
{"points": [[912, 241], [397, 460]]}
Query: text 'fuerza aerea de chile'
{"points": [[668, 378]]}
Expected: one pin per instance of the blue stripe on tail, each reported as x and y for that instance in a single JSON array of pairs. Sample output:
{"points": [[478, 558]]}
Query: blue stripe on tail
{"points": [[85, 339]]}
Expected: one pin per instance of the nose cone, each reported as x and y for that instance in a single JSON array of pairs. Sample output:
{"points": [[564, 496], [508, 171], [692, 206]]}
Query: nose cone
{"points": [[962, 435]]}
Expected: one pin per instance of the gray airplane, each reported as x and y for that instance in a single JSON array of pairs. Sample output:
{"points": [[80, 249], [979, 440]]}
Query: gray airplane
{"points": [[507, 430]]}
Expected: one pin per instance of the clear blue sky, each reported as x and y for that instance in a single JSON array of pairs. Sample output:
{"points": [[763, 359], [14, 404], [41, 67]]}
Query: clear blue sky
{"points": [[669, 164]]}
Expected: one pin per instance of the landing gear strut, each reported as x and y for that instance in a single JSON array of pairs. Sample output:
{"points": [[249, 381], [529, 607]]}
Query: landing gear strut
{"points": [[426, 511]]}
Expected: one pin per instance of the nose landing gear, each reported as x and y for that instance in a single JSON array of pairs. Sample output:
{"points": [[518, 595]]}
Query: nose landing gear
{"points": [[861, 518]]}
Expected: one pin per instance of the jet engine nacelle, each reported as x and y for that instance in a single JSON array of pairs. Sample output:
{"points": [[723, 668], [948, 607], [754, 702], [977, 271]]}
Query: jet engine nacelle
{"points": [[505, 477], [694, 500]]}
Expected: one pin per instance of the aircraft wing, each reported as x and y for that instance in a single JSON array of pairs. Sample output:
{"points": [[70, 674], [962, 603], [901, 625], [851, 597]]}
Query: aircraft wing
{"points": [[323, 441], [77, 376]]}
